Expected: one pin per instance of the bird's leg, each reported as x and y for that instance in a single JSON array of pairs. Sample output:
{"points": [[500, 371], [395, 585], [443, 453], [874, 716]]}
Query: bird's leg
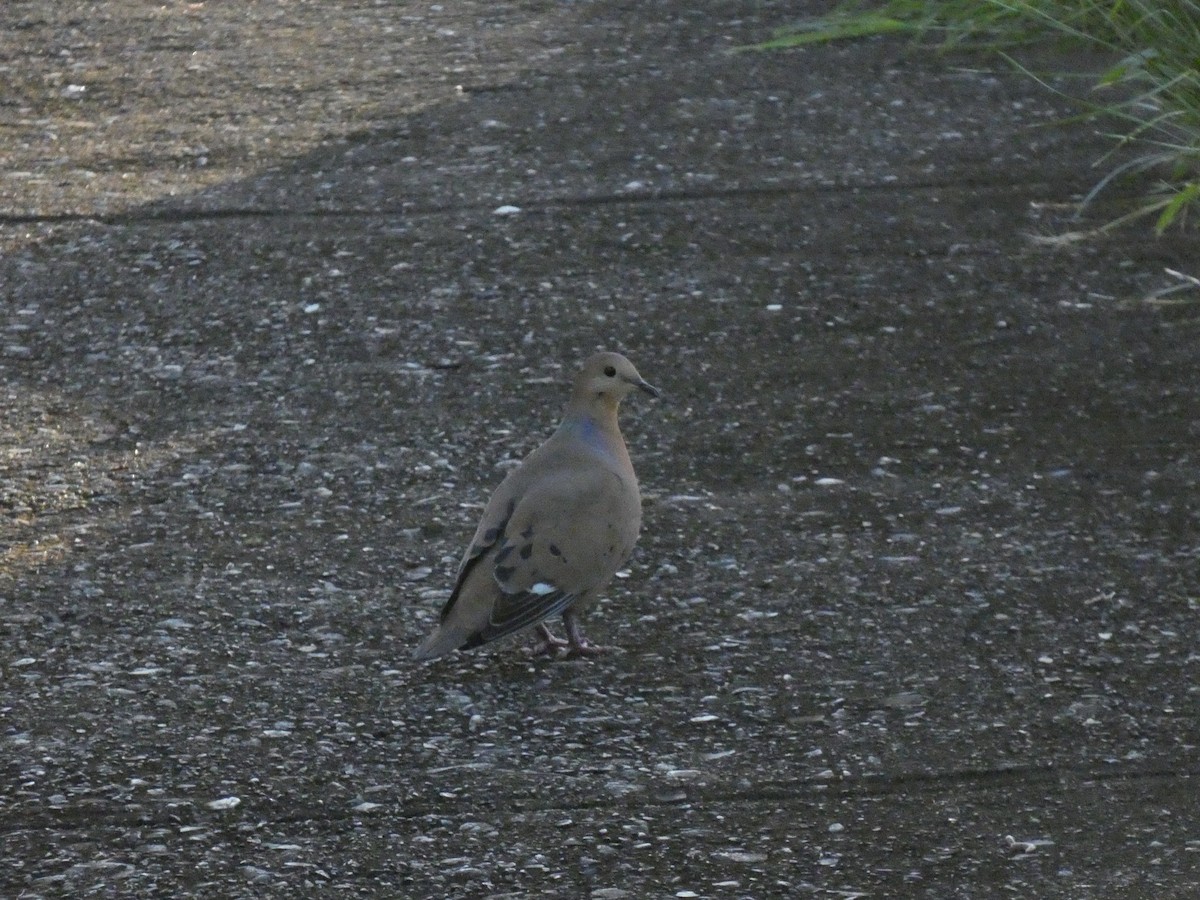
{"points": [[580, 646], [550, 644]]}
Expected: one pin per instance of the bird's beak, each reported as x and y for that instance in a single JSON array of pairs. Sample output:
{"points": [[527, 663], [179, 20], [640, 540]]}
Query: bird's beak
{"points": [[648, 388]]}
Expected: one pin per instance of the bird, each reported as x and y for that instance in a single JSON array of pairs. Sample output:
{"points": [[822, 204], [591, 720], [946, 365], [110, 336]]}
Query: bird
{"points": [[557, 528]]}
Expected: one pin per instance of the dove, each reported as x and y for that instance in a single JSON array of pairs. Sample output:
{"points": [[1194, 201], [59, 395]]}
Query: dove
{"points": [[557, 528]]}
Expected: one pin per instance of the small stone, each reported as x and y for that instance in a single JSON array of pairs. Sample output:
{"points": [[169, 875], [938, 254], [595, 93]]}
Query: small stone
{"points": [[742, 856]]}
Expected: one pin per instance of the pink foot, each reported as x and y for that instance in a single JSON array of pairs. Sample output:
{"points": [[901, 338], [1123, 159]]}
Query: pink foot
{"points": [[550, 645], [586, 650], [580, 647]]}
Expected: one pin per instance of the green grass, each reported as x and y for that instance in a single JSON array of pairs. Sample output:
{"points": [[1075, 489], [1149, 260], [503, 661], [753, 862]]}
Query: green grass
{"points": [[1155, 73]]}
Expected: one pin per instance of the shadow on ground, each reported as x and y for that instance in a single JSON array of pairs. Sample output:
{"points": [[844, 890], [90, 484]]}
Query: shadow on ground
{"points": [[913, 612]]}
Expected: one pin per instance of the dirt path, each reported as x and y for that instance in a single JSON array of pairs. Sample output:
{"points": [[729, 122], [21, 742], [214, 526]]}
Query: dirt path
{"points": [[915, 604]]}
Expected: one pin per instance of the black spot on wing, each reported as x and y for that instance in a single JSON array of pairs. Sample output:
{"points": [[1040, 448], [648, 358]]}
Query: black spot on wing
{"points": [[526, 551], [476, 554], [486, 541], [503, 573]]}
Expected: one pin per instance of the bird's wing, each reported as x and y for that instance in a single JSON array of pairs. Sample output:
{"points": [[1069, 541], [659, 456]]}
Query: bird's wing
{"points": [[566, 536]]}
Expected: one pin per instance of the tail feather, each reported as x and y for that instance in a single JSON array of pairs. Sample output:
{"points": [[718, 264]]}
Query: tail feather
{"points": [[444, 639]]}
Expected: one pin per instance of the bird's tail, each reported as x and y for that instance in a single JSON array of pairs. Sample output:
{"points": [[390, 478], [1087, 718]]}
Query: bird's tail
{"points": [[444, 639]]}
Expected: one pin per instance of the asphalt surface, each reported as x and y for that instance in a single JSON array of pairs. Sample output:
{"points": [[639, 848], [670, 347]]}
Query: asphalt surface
{"points": [[284, 288]]}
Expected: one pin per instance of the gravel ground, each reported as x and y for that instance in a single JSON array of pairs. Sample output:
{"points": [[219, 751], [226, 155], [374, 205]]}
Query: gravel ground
{"points": [[284, 288]]}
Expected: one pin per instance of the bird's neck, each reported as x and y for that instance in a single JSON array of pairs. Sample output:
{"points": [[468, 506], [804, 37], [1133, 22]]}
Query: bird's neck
{"points": [[595, 424]]}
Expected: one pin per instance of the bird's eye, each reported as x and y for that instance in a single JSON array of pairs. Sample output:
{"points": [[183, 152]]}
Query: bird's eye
{"points": [[610, 371]]}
